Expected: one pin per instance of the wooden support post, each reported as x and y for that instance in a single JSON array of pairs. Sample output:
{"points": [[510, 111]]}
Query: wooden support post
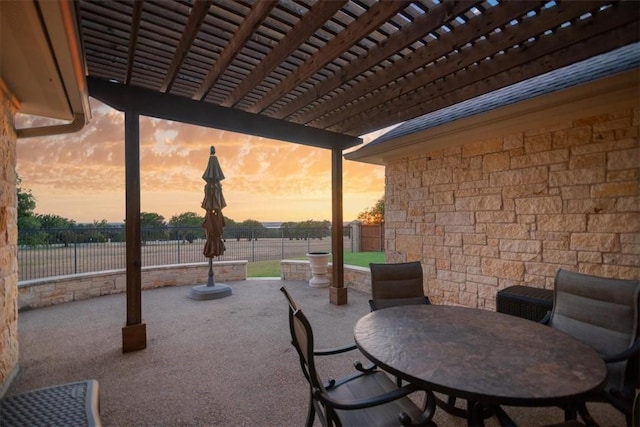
{"points": [[134, 334], [338, 293]]}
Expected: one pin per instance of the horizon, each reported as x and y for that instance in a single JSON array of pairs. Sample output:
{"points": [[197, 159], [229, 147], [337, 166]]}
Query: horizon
{"points": [[81, 176], [266, 224]]}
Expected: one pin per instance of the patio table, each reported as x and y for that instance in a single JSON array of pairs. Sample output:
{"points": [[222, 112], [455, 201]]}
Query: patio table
{"points": [[487, 358]]}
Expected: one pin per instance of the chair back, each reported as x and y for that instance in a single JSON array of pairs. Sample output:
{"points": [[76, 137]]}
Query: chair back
{"points": [[396, 284], [302, 340], [636, 411], [602, 313]]}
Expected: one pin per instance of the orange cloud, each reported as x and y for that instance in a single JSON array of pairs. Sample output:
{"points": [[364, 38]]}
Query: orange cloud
{"points": [[81, 176]]}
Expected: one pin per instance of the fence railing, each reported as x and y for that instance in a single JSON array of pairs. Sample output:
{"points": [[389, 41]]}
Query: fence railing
{"points": [[56, 252]]}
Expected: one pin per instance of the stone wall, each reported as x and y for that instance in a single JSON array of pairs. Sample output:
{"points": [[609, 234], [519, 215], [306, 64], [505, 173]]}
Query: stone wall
{"points": [[56, 290], [355, 277], [8, 246], [513, 209]]}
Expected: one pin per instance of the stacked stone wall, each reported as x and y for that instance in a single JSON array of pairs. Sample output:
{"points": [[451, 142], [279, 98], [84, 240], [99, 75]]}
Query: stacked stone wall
{"points": [[8, 246], [513, 210], [355, 277], [75, 287]]}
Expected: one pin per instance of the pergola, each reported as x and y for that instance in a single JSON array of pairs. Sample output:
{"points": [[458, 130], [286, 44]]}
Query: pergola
{"points": [[319, 73]]}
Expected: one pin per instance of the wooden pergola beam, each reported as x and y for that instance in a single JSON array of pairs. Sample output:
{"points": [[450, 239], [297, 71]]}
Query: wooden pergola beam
{"points": [[258, 13], [196, 18], [172, 107], [133, 39]]}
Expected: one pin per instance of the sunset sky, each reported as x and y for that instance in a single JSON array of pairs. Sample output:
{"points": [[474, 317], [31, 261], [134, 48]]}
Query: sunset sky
{"points": [[81, 176]]}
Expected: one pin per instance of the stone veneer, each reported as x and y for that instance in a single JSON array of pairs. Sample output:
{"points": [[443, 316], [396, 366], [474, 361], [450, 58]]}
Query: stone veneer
{"points": [[512, 210], [8, 245], [355, 277], [59, 289]]}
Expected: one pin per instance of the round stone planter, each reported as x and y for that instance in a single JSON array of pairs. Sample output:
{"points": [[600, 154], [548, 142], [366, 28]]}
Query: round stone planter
{"points": [[318, 262]]}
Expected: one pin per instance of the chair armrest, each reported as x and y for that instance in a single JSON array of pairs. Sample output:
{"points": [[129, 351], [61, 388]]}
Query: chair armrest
{"points": [[545, 320], [336, 350], [358, 365], [627, 354], [365, 403]]}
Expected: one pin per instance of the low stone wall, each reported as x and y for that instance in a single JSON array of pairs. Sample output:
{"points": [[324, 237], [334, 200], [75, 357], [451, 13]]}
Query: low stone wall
{"points": [[358, 278], [55, 290]]}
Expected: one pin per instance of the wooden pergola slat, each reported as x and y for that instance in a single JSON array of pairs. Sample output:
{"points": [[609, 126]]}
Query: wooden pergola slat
{"points": [[318, 63], [305, 27], [364, 24], [427, 54], [421, 26], [542, 52]]}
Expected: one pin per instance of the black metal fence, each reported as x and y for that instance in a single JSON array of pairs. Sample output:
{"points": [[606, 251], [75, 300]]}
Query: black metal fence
{"points": [[56, 252]]}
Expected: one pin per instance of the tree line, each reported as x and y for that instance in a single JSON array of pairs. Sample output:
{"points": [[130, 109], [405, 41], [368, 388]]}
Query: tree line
{"points": [[39, 229]]}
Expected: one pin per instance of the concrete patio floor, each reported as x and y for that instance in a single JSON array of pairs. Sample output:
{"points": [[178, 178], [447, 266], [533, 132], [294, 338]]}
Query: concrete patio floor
{"points": [[226, 362]]}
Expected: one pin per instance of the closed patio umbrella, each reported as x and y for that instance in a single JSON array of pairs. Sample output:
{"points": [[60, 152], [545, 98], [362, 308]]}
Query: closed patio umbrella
{"points": [[213, 225], [213, 203]]}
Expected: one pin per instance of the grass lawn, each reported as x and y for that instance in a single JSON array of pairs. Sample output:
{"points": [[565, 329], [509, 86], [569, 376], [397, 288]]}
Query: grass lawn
{"points": [[272, 268]]}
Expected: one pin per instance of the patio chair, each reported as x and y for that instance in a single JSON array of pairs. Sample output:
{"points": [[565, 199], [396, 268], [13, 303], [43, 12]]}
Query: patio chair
{"points": [[396, 284], [402, 284], [367, 397], [603, 313]]}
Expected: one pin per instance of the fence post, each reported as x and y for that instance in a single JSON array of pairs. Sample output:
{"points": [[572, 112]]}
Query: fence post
{"points": [[281, 243], [75, 252], [355, 236], [179, 239], [253, 246]]}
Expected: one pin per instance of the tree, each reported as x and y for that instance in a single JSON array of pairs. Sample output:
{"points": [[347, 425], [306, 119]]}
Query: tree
{"points": [[58, 228], [186, 220], [154, 225], [55, 221], [373, 215], [28, 224], [26, 205], [228, 222], [253, 229], [151, 219]]}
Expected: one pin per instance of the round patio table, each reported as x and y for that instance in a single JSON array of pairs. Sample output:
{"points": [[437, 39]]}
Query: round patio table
{"points": [[485, 357]]}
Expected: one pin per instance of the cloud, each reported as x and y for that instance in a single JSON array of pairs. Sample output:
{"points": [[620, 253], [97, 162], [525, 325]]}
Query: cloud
{"points": [[81, 176]]}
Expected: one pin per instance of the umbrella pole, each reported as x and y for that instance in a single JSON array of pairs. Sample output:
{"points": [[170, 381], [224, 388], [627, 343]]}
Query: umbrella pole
{"points": [[211, 281]]}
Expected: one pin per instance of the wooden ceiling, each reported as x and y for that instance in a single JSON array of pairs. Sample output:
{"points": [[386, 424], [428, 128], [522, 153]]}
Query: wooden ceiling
{"points": [[349, 67]]}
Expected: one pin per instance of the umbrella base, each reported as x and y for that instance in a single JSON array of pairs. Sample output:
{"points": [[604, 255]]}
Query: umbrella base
{"points": [[204, 292]]}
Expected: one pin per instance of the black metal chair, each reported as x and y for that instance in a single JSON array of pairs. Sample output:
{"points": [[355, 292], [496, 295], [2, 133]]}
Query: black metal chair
{"points": [[368, 397], [636, 410], [396, 284], [603, 313]]}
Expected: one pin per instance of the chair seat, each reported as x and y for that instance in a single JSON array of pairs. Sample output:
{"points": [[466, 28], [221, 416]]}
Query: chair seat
{"points": [[72, 404], [367, 386]]}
